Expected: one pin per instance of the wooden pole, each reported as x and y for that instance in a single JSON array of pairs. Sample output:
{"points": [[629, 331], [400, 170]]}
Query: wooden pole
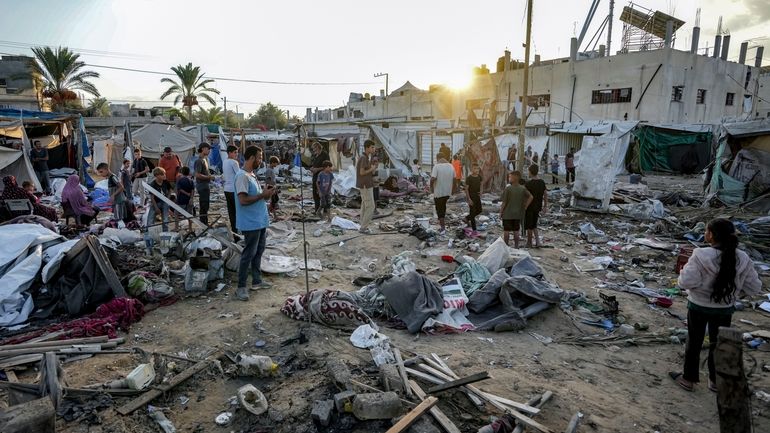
{"points": [[733, 394], [524, 106]]}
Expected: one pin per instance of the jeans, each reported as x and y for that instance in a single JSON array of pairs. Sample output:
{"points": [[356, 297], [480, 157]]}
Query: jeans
{"points": [[204, 194], [230, 199], [252, 256], [45, 180], [164, 215], [367, 206], [697, 322], [570, 174]]}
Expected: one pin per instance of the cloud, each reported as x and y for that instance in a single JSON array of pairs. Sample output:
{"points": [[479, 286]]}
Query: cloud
{"points": [[756, 12]]}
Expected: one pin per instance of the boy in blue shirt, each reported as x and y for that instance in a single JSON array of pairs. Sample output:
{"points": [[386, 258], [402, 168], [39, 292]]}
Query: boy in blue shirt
{"points": [[325, 180]]}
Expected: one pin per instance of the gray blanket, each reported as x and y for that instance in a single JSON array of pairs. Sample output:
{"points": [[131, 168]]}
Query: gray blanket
{"points": [[413, 297]]}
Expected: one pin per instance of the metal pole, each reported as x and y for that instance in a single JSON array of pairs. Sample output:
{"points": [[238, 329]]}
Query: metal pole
{"points": [[225, 99], [524, 105], [609, 28], [302, 214]]}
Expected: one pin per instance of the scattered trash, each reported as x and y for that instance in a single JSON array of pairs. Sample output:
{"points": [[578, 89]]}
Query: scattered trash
{"points": [[402, 263], [762, 396], [159, 418], [592, 235], [252, 399], [224, 418], [345, 223], [256, 365], [141, 377]]}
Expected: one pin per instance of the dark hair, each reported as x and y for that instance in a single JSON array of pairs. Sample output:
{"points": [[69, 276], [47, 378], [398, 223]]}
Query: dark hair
{"points": [[368, 143], [185, 171], [251, 151], [203, 146], [126, 160], [103, 166], [167, 149], [534, 169], [723, 233], [416, 161], [274, 160], [231, 148], [25, 184], [327, 164]]}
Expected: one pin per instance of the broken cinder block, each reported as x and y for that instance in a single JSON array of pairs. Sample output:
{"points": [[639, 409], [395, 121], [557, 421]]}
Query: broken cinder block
{"points": [[343, 401], [340, 374], [322, 412], [385, 405]]}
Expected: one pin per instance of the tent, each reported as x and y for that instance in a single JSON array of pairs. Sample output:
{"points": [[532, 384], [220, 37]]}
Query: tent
{"points": [[16, 162], [674, 148], [56, 131], [400, 145], [741, 171], [154, 137]]}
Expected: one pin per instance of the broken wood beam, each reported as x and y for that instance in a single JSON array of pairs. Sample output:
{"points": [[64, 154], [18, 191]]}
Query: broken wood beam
{"points": [[412, 416], [158, 391], [85, 340], [402, 371], [437, 414], [443, 377], [574, 422], [40, 350], [459, 382], [537, 402]]}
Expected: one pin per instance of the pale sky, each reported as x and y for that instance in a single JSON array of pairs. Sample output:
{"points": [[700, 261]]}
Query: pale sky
{"points": [[424, 41]]}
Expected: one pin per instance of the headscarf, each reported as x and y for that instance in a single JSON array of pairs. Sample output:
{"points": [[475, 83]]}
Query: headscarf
{"points": [[12, 190], [75, 197]]}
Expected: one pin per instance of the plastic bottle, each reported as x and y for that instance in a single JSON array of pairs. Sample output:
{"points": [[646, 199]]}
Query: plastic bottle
{"points": [[256, 365]]}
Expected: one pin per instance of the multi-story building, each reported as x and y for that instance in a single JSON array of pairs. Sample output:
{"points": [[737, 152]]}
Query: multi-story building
{"points": [[17, 89]]}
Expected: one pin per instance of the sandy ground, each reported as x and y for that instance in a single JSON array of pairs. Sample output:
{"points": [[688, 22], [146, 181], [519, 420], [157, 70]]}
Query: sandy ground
{"points": [[618, 388]]}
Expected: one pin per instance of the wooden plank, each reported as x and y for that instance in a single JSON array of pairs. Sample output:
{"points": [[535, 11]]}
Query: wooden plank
{"points": [[412, 416], [85, 340], [157, 392], [476, 377], [426, 377], [35, 350], [574, 422], [476, 400], [103, 262], [537, 402], [47, 337], [19, 360], [401, 371], [437, 414], [373, 389]]}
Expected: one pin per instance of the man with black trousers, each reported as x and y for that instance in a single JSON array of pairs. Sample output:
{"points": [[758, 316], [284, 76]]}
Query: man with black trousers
{"points": [[316, 167], [203, 178]]}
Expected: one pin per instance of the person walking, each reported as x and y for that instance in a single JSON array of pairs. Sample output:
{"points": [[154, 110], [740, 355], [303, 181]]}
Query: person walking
{"points": [[140, 169], [39, 158], [203, 179], [555, 169], [569, 164], [458, 167], [230, 168], [365, 183], [441, 182], [473, 195], [714, 277], [252, 219], [536, 187], [316, 167], [171, 164]]}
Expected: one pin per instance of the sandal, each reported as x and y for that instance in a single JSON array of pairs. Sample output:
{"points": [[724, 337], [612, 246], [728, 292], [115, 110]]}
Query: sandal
{"points": [[677, 377]]}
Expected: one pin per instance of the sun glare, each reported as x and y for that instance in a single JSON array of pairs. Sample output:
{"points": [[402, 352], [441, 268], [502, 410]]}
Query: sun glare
{"points": [[460, 81]]}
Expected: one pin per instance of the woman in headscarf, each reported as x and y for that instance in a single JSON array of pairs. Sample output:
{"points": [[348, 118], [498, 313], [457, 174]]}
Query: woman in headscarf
{"points": [[13, 191], [74, 197]]}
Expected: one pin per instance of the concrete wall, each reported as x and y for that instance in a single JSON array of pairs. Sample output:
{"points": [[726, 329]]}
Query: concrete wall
{"points": [[763, 103], [18, 92]]}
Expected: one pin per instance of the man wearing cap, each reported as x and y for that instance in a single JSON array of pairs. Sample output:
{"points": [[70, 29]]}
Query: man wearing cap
{"points": [[170, 162], [202, 179]]}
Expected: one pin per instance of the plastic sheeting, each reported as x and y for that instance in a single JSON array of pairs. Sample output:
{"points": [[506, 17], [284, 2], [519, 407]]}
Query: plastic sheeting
{"points": [[662, 148], [399, 144], [601, 159]]}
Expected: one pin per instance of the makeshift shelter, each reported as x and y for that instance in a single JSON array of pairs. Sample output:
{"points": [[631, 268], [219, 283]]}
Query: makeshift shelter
{"points": [[400, 146], [741, 172], [15, 161], [57, 132], [674, 148], [506, 141], [485, 154], [154, 137]]}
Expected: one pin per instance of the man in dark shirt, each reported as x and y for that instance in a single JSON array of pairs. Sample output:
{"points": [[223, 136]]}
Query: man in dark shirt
{"points": [[140, 169], [445, 151], [365, 184], [203, 178], [316, 167], [39, 157], [473, 195], [536, 187], [156, 205]]}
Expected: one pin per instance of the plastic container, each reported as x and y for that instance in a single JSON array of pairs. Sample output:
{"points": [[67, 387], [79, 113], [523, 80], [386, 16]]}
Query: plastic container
{"points": [[424, 223], [252, 399], [141, 377], [683, 258], [256, 365]]}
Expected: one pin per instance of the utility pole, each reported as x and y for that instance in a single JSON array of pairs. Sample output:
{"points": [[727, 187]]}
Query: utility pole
{"points": [[609, 27], [524, 105], [385, 106], [225, 99]]}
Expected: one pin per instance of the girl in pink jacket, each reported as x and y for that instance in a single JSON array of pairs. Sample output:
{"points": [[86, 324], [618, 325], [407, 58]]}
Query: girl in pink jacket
{"points": [[714, 278]]}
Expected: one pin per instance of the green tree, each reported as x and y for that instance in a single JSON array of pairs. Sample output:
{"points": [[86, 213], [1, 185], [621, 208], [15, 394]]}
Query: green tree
{"points": [[99, 107], [270, 116], [213, 115], [181, 114], [189, 86], [58, 73]]}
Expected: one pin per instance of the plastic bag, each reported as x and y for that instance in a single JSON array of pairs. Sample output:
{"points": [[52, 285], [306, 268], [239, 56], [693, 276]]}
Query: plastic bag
{"points": [[495, 256]]}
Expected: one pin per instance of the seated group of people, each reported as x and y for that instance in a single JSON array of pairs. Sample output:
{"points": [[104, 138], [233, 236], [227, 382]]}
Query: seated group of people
{"points": [[73, 200]]}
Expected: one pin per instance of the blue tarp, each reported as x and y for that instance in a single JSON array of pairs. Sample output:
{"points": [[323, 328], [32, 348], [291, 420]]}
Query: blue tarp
{"points": [[15, 113]]}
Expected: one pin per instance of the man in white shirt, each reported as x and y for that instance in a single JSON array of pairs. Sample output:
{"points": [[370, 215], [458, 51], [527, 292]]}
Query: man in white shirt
{"points": [[230, 167], [441, 180]]}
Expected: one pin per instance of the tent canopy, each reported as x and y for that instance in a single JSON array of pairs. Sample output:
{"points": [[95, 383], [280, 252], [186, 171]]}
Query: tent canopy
{"points": [[399, 144], [154, 137], [674, 148]]}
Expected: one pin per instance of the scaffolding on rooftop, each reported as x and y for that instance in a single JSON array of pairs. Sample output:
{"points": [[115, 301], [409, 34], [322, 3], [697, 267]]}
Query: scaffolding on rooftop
{"points": [[645, 29]]}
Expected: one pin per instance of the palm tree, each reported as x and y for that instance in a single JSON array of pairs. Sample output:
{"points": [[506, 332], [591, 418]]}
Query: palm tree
{"points": [[99, 107], [189, 87], [58, 73], [213, 116], [181, 114]]}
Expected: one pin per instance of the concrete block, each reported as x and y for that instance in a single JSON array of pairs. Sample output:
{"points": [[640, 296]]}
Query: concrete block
{"points": [[384, 405], [390, 379], [424, 424], [340, 374], [343, 399], [322, 412]]}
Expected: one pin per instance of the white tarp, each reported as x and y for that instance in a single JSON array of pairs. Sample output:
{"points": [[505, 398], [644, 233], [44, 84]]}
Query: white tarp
{"points": [[344, 181], [601, 159], [154, 137], [21, 257], [399, 144], [16, 162], [505, 141]]}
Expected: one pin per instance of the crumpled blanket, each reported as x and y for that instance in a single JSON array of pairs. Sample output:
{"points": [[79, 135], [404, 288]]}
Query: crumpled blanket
{"points": [[473, 276], [118, 313], [413, 297], [332, 308]]}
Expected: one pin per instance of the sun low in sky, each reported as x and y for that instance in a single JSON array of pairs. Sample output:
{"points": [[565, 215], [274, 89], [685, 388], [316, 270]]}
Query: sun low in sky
{"points": [[320, 52]]}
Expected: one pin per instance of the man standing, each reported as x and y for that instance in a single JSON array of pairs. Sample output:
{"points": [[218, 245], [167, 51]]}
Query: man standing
{"points": [[511, 162], [39, 157], [202, 179], [252, 219], [569, 164], [170, 162], [230, 168], [445, 151], [140, 169], [365, 183], [316, 167], [441, 180]]}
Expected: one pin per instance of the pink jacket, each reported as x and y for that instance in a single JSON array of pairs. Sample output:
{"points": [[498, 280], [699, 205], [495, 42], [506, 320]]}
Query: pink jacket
{"points": [[698, 275]]}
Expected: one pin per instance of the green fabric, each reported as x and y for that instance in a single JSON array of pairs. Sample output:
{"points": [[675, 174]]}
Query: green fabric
{"points": [[513, 197], [654, 144], [472, 276], [709, 310], [727, 188]]}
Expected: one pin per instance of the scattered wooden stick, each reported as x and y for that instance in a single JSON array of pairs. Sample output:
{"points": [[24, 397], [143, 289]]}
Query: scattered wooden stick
{"points": [[412, 416], [438, 415], [443, 377], [28, 345], [459, 382], [573, 423], [402, 371], [537, 402]]}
